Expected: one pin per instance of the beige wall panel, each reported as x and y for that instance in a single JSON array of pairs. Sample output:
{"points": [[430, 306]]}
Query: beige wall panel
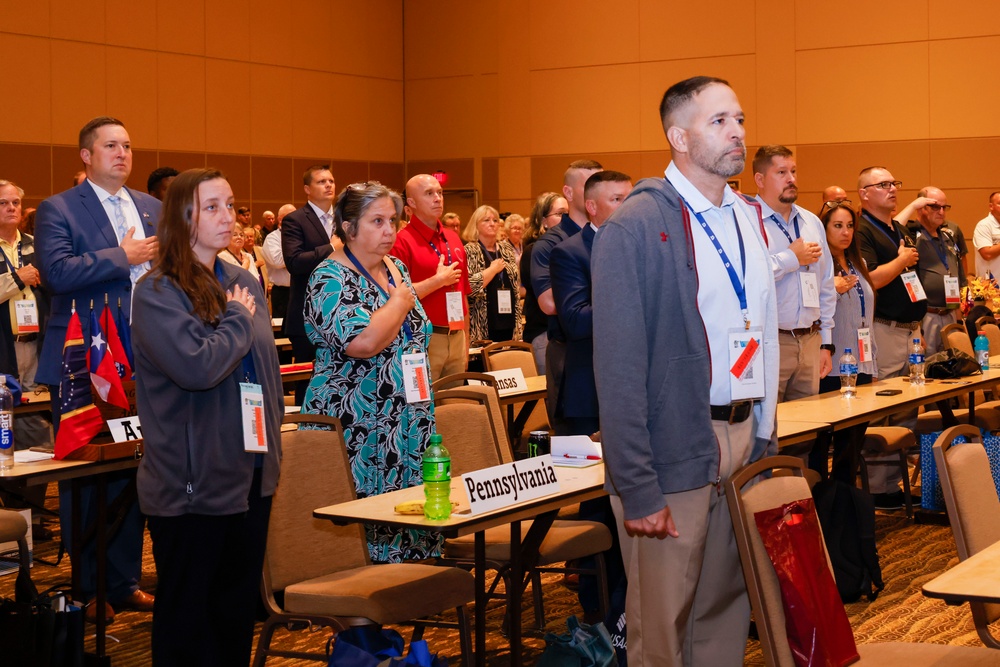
{"points": [[652, 164], [520, 206], [317, 114], [547, 171], [181, 102], [515, 178], [581, 33], [969, 206], [450, 37], [75, 98], [366, 43], [513, 94], [387, 173], [739, 71], [28, 166], [774, 118], [968, 18], [848, 115], [965, 163], [180, 26], [312, 36], [26, 18], [132, 94], [384, 121], [839, 164], [30, 58], [273, 28], [227, 29], [83, 21], [134, 23], [227, 106], [963, 96], [237, 171], [854, 23], [680, 30], [569, 124], [271, 110], [454, 117]]}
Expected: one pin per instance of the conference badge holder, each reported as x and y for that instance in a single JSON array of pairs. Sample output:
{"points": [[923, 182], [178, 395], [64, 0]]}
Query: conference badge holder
{"points": [[456, 310], [913, 286], [864, 344], [951, 290], [810, 289], [746, 363], [504, 302], [26, 312], [252, 404], [416, 379]]}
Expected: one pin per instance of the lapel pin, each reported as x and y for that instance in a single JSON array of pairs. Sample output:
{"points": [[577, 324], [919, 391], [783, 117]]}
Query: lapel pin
{"points": [[664, 237]]}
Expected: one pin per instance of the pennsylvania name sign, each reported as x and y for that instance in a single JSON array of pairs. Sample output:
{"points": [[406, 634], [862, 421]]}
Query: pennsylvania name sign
{"points": [[510, 483]]}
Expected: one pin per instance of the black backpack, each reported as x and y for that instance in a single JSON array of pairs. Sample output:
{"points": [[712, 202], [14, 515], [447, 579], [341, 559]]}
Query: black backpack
{"points": [[847, 516]]}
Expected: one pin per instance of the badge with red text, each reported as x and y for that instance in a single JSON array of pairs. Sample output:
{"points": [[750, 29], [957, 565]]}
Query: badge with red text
{"points": [[746, 363], [252, 404], [913, 286], [416, 378], [951, 290], [864, 345]]}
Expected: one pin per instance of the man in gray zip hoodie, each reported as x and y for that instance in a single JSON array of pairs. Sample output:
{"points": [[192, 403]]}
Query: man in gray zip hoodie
{"points": [[686, 364]]}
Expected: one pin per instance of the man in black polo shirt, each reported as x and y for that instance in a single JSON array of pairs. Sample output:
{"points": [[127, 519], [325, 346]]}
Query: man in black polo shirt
{"points": [[891, 258]]}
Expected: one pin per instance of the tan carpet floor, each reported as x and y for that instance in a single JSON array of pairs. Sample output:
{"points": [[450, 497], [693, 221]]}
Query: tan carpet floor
{"points": [[910, 556]]}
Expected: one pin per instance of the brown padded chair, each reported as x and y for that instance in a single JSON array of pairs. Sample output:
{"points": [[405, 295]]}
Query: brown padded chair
{"points": [[324, 570], [745, 500], [14, 528], [881, 441], [973, 507], [464, 416], [516, 354], [992, 332]]}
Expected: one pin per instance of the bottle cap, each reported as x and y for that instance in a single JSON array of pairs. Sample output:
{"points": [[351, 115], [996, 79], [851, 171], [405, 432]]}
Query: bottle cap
{"points": [[436, 439], [847, 350]]}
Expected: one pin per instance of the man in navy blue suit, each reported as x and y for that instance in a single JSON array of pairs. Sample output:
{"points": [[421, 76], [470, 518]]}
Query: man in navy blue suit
{"points": [[92, 240], [569, 271]]}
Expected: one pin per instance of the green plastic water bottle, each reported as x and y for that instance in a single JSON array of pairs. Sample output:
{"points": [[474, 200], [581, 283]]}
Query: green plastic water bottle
{"points": [[437, 480]]}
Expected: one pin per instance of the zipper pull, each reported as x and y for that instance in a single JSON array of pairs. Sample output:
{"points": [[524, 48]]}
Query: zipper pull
{"points": [[189, 489]]}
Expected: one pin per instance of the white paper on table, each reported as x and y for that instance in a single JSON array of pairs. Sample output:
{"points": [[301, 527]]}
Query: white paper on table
{"points": [[28, 456], [572, 451]]}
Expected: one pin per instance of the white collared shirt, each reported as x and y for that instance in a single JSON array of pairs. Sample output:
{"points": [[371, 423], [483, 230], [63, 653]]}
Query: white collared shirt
{"points": [[717, 301], [275, 260], [128, 208], [325, 217], [987, 233]]}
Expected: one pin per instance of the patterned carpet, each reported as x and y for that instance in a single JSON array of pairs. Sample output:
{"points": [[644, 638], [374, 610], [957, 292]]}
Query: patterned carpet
{"points": [[910, 555]]}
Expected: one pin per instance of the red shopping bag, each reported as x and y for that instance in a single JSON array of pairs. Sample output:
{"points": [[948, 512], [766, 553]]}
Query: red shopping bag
{"points": [[819, 632]]}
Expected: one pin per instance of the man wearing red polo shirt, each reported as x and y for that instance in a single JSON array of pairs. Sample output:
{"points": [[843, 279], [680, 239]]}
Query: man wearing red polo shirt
{"points": [[435, 257]]}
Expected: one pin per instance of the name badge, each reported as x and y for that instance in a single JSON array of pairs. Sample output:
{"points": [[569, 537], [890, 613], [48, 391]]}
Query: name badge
{"points": [[810, 289], [26, 312], [746, 363], [951, 294], [913, 286], [864, 344], [456, 310], [252, 405], [416, 379], [504, 302]]}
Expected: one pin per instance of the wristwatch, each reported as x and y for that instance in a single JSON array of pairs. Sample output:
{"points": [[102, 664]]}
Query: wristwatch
{"points": [[830, 348]]}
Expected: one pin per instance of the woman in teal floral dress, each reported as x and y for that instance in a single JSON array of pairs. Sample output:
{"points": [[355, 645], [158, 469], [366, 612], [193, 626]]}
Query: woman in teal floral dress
{"points": [[363, 316]]}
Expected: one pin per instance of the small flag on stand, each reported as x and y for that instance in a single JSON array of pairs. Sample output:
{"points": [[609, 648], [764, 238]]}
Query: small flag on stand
{"points": [[101, 364], [125, 333], [80, 420], [122, 363]]}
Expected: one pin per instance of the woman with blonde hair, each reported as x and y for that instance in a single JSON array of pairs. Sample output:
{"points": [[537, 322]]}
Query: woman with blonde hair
{"points": [[494, 303]]}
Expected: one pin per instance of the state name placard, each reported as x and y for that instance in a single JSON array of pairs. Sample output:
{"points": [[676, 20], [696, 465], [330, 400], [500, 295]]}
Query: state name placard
{"points": [[510, 483]]}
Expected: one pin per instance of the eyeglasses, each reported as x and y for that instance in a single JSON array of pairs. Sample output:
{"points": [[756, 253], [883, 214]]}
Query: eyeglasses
{"points": [[885, 185], [847, 203], [555, 214], [938, 207]]}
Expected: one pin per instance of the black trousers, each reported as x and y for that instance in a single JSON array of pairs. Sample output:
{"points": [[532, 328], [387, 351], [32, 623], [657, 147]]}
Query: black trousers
{"points": [[209, 571], [846, 442]]}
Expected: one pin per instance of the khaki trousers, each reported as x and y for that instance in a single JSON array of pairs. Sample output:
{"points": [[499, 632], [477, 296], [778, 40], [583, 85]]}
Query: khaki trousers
{"points": [[447, 354], [798, 374], [687, 602]]}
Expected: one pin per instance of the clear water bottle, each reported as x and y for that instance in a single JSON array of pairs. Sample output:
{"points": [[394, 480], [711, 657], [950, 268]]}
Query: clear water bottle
{"points": [[848, 374], [982, 348], [916, 363], [6, 426], [437, 480]]}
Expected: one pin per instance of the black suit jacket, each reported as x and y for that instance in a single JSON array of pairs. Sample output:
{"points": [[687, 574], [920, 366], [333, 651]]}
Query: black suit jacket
{"points": [[304, 244], [569, 271]]}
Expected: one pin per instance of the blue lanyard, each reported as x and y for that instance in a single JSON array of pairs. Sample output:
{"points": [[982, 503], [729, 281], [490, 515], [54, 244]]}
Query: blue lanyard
{"points": [[447, 246], [363, 271], [734, 278], [860, 290], [781, 226], [879, 226]]}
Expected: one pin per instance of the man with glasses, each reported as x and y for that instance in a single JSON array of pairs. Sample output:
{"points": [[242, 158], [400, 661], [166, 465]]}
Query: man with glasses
{"points": [[986, 240], [900, 305], [940, 266]]}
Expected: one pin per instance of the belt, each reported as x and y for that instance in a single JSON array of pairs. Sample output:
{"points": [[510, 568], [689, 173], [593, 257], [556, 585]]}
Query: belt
{"points": [[911, 326], [941, 311], [800, 332], [26, 338], [734, 413], [445, 330]]}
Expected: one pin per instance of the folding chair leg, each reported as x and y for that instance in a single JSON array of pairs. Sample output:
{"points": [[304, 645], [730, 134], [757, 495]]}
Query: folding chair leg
{"points": [[464, 636], [906, 485], [418, 633], [536, 593], [602, 583], [264, 643]]}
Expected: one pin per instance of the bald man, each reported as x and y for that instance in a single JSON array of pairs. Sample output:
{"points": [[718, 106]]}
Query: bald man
{"points": [[435, 257]]}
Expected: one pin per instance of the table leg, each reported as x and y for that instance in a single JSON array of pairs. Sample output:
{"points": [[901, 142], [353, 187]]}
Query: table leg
{"points": [[972, 407], [76, 536], [948, 418], [101, 548], [517, 424], [514, 594], [480, 556]]}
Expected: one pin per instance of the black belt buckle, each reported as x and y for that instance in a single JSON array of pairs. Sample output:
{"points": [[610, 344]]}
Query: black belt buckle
{"points": [[739, 412]]}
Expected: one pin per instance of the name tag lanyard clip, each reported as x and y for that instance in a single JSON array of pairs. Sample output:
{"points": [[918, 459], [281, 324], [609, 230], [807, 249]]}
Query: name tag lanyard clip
{"points": [[734, 278]]}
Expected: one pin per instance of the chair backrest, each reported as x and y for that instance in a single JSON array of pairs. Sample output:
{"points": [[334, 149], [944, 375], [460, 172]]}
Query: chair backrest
{"points": [[957, 339], [992, 332], [464, 420], [510, 354], [488, 391], [985, 319], [970, 496], [315, 472], [762, 582], [461, 379]]}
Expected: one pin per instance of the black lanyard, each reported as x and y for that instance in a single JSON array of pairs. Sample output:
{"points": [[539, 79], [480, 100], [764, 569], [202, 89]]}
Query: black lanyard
{"points": [[489, 260], [12, 269], [363, 271]]}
